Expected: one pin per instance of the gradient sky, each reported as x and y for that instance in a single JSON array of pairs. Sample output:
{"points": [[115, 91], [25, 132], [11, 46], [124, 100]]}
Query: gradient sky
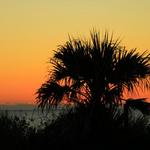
{"points": [[31, 29]]}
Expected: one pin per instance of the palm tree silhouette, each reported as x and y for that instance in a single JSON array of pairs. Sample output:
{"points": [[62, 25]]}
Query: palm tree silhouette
{"points": [[95, 71]]}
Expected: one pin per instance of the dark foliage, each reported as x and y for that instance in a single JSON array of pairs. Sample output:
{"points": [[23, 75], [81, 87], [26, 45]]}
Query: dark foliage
{"points": [[14, 132], [95, 129], [82, 127]]}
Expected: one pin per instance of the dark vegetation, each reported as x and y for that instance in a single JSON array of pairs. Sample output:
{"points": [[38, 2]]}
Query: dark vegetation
{"points": [[77, 129], [14, 132], [92, 75]]}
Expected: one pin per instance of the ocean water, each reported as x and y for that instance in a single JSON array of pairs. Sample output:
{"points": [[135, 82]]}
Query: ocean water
{"points": [[33, 115]]}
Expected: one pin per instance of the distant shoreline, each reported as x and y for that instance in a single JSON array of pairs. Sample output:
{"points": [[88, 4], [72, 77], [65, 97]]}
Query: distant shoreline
{"points": [[18, 107]]}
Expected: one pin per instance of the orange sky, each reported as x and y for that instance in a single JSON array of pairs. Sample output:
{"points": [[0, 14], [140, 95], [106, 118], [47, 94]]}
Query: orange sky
{"points": [[31, 29]]}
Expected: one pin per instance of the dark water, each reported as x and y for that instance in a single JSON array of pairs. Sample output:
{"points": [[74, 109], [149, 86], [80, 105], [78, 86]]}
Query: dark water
{"points": [[34, 116]]}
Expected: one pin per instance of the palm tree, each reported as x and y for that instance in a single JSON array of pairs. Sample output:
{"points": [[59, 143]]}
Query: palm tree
{"points": [[95, 71]]}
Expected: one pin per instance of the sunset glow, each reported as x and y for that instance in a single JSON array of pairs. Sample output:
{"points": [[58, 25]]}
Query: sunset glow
{"points": [[32, 29]]}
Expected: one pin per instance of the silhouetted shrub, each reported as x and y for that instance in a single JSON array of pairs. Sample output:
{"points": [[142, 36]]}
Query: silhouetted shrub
{"points": [[86, 128], [82, 127], [14, 132]]}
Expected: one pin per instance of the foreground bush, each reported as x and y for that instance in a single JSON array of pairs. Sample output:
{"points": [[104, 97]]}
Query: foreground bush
{"points": [[14, 132], [81, 127]]}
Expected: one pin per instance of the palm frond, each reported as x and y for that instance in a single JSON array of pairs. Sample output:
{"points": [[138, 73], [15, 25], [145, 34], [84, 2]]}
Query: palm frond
{"points": [[74, 58], [130, 68], [50, 93]]}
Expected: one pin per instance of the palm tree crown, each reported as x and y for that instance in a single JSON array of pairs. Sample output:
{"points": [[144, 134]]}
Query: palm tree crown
{"points": [[94, 71]]}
